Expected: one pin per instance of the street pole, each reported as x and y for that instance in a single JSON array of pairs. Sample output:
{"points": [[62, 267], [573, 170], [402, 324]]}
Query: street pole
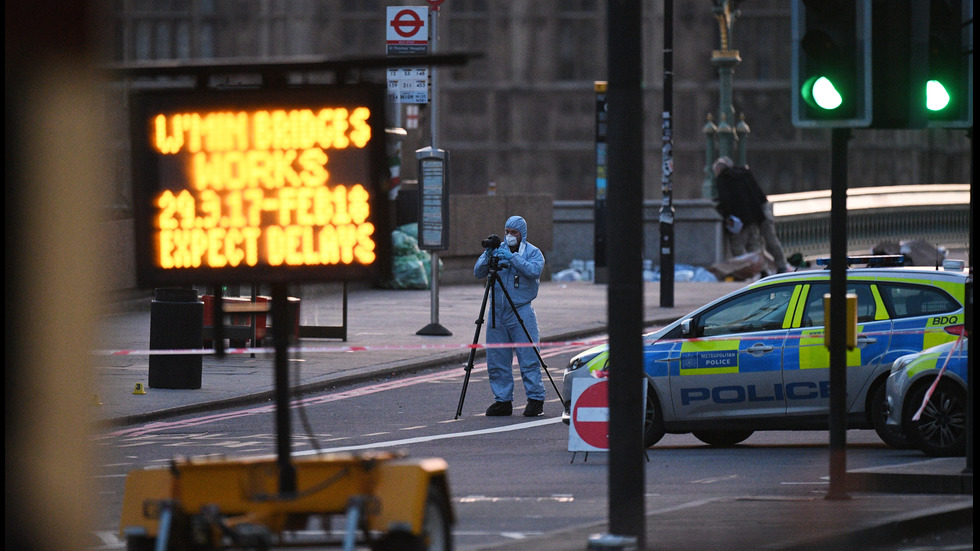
{"points": [[667, 170], [434, 328], [626, 470], [280, 338], [838, 314], [434, 114], [434, 131], [968, 305], [600, 255]]}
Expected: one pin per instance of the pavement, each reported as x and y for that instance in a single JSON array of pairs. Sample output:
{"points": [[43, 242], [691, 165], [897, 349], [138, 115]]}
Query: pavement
{"points": [[381, 340]]}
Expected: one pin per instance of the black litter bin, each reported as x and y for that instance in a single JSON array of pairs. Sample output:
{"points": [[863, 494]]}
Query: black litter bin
{"points": [[176, 323]]}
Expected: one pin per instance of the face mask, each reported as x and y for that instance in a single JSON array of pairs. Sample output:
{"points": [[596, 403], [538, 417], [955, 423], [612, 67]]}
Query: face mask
{"points": [[511, 240]]}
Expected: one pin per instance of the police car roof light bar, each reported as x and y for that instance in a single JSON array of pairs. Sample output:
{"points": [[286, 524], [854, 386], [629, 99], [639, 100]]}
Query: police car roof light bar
{"points": [[871, 261]]}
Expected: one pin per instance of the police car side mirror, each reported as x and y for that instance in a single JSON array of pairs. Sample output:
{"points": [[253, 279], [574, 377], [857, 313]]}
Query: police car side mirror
{"points": [[686, 328]]}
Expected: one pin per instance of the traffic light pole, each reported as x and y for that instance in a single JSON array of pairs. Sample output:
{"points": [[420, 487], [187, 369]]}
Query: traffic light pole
{"points": [[838, 314], [969, 329], [882, 64]]}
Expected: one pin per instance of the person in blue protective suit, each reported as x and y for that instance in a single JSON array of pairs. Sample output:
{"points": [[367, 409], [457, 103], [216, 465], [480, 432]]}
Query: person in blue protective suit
{"points": [[519, 265]]}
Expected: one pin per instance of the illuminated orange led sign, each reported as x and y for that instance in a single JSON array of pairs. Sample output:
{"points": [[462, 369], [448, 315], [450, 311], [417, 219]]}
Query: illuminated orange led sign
{"points": [[254, 185]]}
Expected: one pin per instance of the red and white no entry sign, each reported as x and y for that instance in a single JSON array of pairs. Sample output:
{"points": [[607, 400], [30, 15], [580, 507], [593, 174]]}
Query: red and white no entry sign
{"points": [[588, 429], [407, 25]]}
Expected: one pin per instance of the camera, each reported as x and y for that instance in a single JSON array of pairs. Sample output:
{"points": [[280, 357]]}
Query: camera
{"points": [[491, 242]]}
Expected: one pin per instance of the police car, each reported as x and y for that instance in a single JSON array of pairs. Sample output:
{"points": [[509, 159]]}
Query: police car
{"points": [[755, 359], [936, 426]]}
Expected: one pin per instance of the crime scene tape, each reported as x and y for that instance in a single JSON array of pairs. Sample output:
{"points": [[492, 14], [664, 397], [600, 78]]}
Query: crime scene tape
{"points": [[468, 346], [935, 383], [357, 348]]}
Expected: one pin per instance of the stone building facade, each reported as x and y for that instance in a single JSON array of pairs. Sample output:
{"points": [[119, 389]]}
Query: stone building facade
{"points": [[522, 114]]}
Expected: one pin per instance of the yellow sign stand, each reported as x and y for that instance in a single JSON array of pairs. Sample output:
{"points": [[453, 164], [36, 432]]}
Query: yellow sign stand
{"points": [[850, 339]]}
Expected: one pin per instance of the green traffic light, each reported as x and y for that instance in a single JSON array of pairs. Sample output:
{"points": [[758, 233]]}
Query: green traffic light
{"points": [[825, 94], [820, 92], [937, 98]]}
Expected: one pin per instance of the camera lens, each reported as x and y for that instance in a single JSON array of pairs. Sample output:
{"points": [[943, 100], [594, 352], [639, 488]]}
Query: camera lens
{"points": [[491, 242]]}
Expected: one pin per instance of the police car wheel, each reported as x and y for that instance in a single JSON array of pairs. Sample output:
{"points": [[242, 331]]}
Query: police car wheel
{"points": [[941, 429], [653, 422], [892, 435], [722, 438]]}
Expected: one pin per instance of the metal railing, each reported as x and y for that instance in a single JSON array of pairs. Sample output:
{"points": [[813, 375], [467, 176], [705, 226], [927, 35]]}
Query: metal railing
{"points": [[937, 214]]}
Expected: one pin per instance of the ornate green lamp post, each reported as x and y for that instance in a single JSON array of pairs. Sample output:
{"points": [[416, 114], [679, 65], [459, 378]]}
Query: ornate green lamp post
{"points": [[723, 139]]}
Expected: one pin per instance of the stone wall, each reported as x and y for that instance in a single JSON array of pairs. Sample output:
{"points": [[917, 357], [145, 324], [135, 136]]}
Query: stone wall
{"points": [[697, 233], [474, 217], [565, 231]]}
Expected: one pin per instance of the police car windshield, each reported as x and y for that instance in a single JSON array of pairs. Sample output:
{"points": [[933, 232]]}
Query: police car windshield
{"points": [[759, 310]]}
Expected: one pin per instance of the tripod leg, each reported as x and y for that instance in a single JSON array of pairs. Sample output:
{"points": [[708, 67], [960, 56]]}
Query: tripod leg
{"points": [[546, 372], [462, 394], [530, 340], [476, 340]]}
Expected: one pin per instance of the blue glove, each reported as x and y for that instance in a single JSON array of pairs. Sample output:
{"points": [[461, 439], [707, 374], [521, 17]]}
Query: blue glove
{"points": [[503, 252]]}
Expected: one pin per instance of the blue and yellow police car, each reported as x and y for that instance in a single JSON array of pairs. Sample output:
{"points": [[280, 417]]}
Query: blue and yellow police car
{"points": [[926, 396], [755, 359]]}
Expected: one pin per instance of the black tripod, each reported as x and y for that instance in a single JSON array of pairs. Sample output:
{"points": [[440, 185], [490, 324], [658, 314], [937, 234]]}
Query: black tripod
{"points": [[492, 279]]}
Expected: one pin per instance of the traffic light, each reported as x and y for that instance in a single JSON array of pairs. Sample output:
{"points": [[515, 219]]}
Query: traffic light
{"points": [[888, 64], [922, 64], [831, 63], [949, 88], [900, 63]]}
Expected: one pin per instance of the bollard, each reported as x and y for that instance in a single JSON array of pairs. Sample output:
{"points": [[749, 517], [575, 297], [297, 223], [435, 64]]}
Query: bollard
{"points": [[176, 322]]}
